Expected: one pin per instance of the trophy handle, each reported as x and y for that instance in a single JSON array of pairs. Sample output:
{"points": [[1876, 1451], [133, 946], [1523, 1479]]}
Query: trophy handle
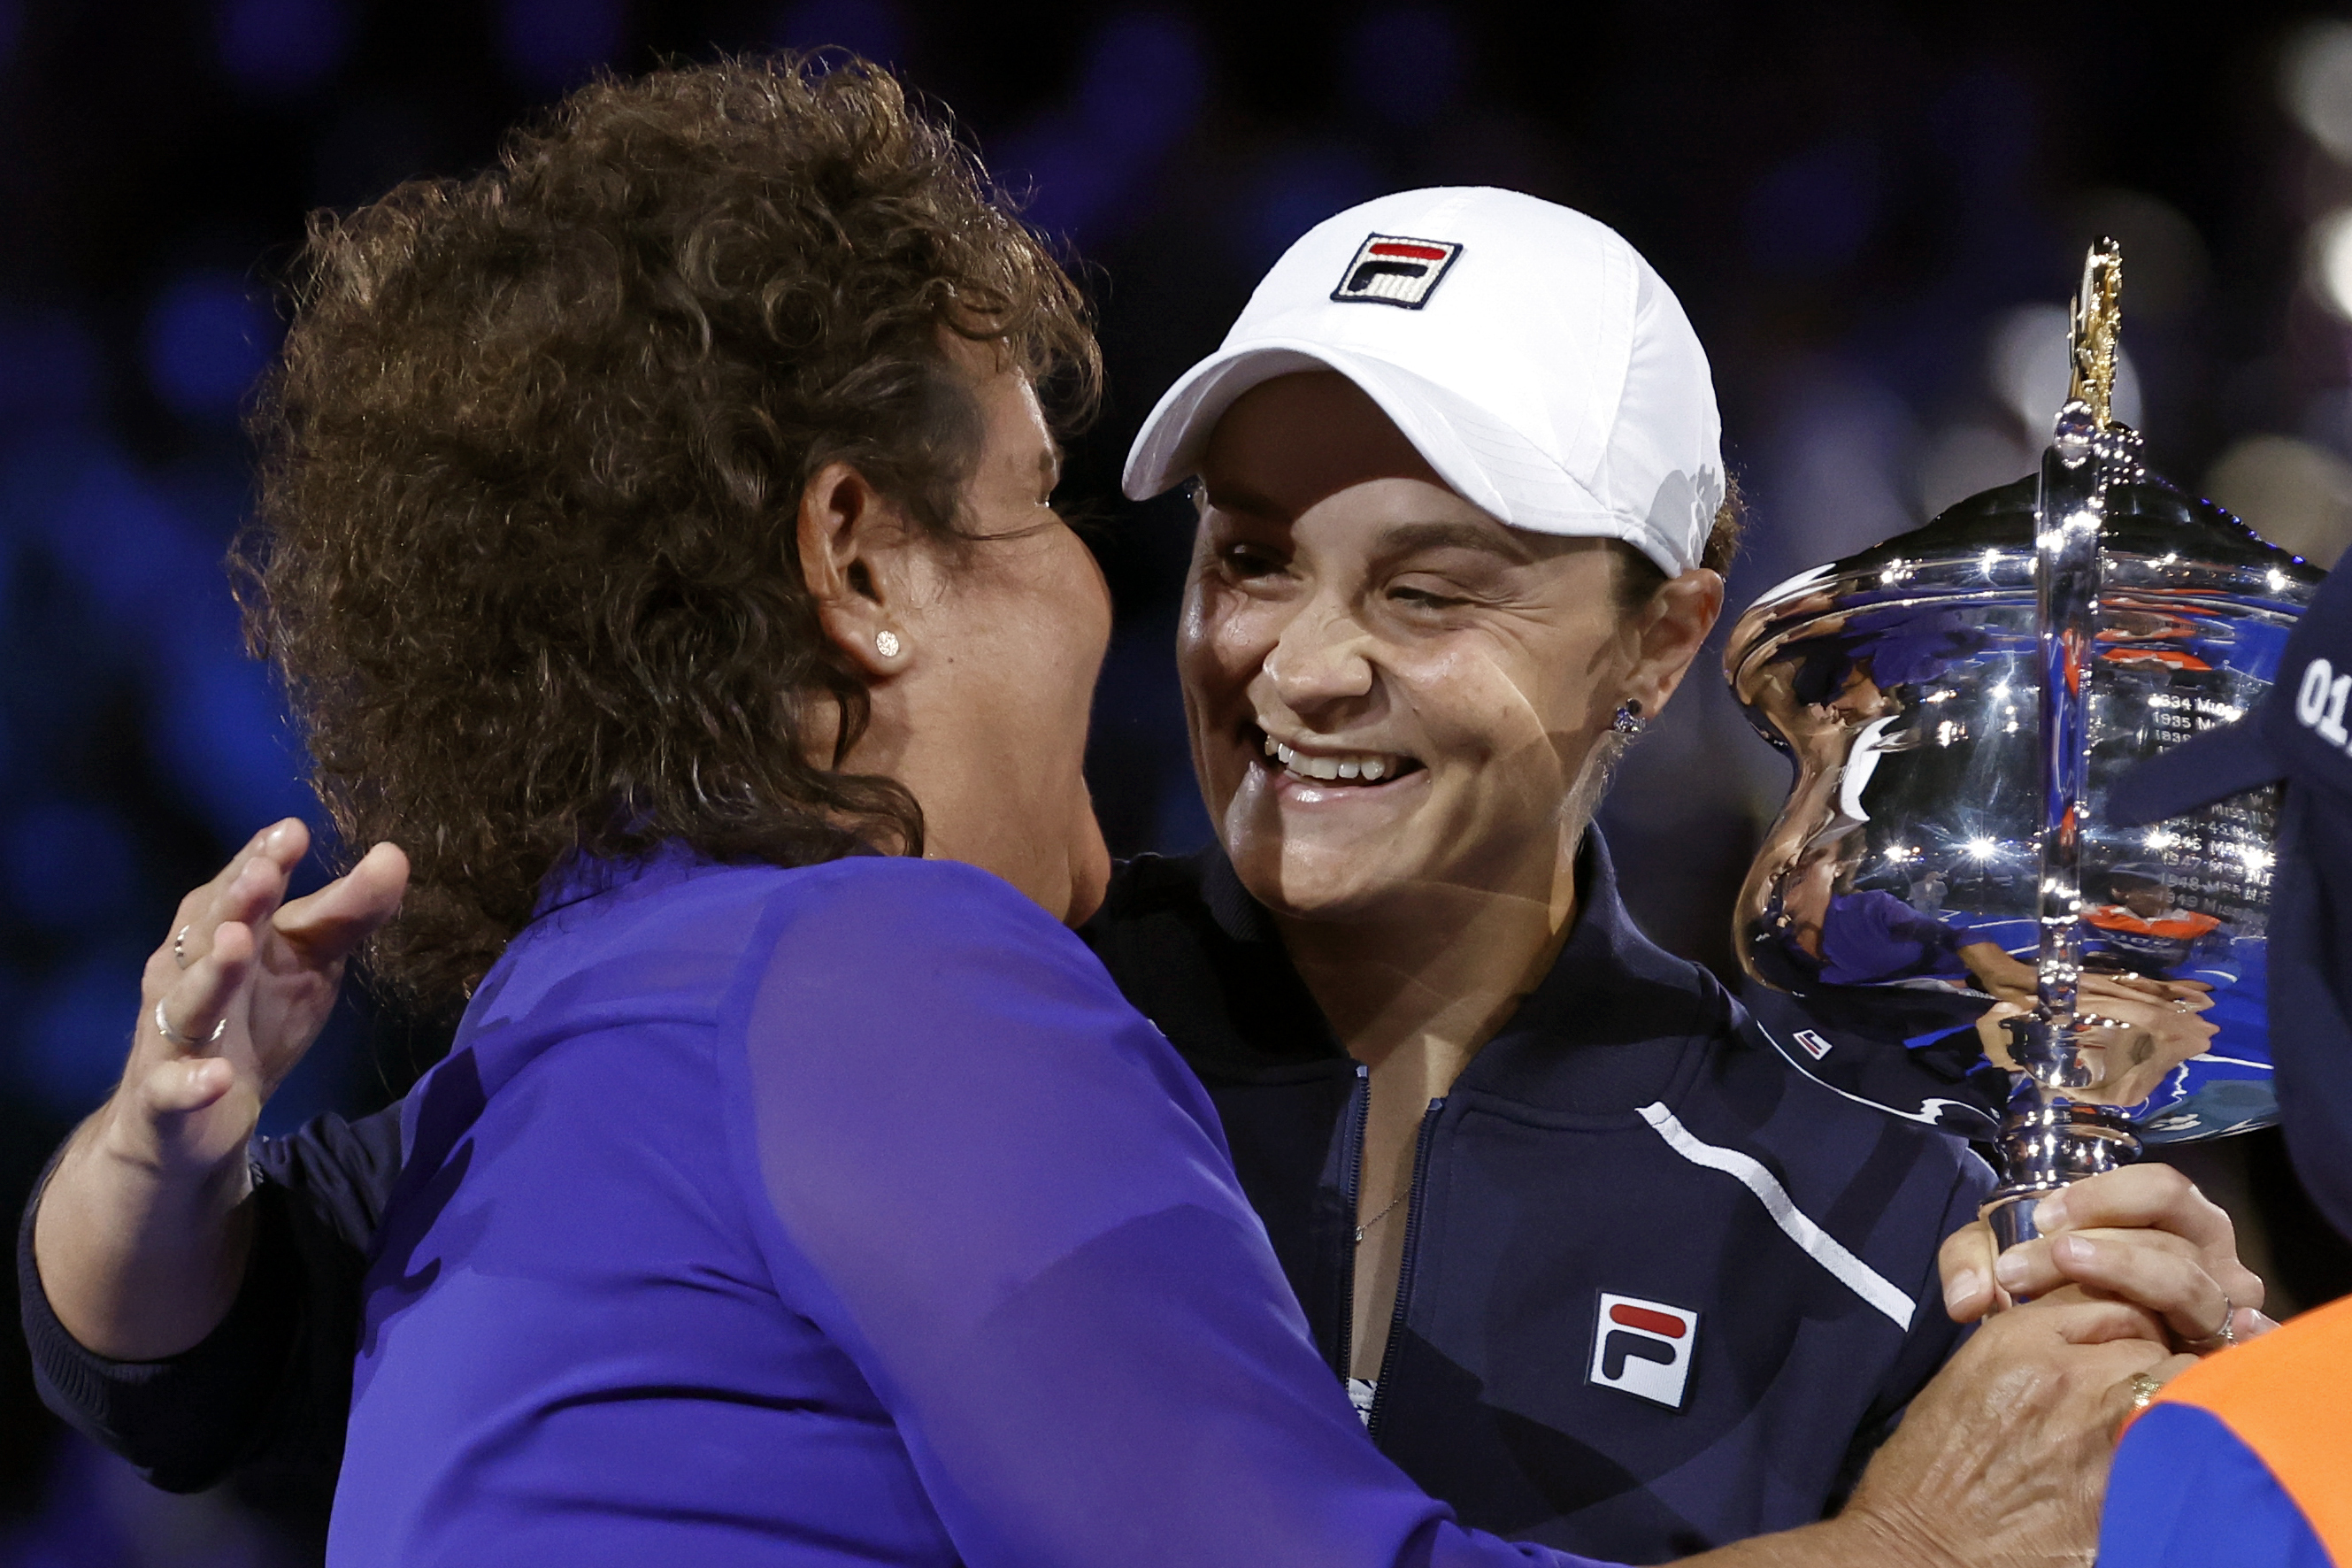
{"points": [[2048, 1139]]}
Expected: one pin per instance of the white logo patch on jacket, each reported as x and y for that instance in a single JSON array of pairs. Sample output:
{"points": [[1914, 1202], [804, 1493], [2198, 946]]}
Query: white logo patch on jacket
{"points": [[1644, 1348]]}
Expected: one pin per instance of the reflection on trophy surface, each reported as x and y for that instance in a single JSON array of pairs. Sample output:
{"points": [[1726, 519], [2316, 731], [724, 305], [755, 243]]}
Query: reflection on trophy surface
{"points": [[1940, 923]]}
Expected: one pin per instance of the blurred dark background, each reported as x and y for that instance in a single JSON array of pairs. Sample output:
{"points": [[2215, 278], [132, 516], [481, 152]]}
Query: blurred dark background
{"points": [[1873, 219]]}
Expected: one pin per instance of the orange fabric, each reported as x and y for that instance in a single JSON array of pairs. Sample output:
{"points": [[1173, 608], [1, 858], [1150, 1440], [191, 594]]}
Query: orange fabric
{"points": [[2172, 658], [2288, 1397], [2187, 923]]}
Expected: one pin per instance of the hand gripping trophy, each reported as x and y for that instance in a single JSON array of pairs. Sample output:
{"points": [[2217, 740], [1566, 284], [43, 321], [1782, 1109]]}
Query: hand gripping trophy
{"points": [[1940, 923]]}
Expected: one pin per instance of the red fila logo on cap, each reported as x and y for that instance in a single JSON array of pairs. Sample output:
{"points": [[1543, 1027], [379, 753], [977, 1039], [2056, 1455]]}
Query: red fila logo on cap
{"points": [[1391, 270], [1644, 1348]]}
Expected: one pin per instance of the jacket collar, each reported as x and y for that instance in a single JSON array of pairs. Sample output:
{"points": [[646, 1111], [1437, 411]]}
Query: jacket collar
{"points": [[1602, 1032]]}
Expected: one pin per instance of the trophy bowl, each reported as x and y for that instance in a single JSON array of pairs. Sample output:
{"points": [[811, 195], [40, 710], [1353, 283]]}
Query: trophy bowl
{"points": [[1890, 924]]}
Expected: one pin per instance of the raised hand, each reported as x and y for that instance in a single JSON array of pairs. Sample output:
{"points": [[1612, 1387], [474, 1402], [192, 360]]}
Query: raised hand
{"points": [[142, 1233], [243, 983]]}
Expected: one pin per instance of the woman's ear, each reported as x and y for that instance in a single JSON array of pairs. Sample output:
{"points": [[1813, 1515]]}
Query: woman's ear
{"points": [[853, 548], [1674, 627]]}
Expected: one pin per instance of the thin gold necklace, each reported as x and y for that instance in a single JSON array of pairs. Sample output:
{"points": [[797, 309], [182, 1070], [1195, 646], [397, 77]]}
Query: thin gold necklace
{"points": [[1379, 1217]]}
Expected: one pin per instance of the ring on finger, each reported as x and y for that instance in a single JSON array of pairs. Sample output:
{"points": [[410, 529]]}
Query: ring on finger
{"points": [[2144, 1390], [164, 1026], [2222, 1338]]}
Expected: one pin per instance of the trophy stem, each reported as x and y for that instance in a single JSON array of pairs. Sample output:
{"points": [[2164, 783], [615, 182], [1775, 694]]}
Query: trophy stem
{"points": [[2050, 1138], [2066, 583]]}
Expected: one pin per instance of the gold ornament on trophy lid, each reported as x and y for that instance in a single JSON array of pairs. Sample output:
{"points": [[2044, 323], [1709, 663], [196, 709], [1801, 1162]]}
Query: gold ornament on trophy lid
{"points": [[2097, 331]]}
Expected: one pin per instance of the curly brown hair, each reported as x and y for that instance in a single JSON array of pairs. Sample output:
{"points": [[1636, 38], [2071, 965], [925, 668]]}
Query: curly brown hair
{"points": [[532, 461]]}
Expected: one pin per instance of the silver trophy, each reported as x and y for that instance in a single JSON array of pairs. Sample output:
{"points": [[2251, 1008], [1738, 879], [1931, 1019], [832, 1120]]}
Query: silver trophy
{"points": [[1942, 922]]}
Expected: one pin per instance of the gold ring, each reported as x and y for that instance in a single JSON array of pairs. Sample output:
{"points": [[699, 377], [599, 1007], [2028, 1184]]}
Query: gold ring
{"points": [[2144, 1390]]}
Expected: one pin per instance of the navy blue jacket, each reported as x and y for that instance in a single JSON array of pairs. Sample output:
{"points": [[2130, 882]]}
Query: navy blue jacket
{"points": [[1660, 1290]]}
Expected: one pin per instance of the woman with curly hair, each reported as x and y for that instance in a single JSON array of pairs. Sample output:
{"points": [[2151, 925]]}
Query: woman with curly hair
{"points": [[656, 537]]}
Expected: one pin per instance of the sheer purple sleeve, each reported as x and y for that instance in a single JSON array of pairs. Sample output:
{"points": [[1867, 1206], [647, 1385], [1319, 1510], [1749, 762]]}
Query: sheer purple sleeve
{"points": [[999, 1191]]}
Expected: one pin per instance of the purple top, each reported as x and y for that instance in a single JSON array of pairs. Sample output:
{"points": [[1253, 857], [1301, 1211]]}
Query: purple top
{"points": [[1873, 937], [838, 1215]]}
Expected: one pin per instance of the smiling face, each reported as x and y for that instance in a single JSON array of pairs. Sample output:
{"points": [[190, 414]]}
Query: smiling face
{"points": [[1391, 694]]}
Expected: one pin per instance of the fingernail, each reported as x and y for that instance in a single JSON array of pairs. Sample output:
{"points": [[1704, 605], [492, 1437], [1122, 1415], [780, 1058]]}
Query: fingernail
{"points": [[2050, 1213], [1964, 1288], [2009, 1268], [277, 835]]}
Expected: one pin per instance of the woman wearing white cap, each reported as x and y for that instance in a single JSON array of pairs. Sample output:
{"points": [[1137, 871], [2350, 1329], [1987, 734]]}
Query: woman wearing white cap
{"points": [[1600, 1271]]}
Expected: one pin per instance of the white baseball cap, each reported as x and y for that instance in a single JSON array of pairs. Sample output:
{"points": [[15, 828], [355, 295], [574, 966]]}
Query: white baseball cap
{"points": [[1528, 353]]}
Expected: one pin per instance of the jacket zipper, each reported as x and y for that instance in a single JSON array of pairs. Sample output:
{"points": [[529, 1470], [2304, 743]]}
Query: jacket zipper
{"points": [[1405, 1267], [1352, 1158]]}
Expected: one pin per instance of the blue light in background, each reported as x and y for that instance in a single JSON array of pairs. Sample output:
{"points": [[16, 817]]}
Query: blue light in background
{"points": [[11, 28], [208, 336], [68, 864], [153, 578], [282, 47], [1812, 214], [1404, 66], [77, 1030], [1296, 189], [1067, 184], [1143, 83], [554, 44], [112, 531], [869, 27], [222, 732], [1141, 86], [321, 1080], [48, 370]]}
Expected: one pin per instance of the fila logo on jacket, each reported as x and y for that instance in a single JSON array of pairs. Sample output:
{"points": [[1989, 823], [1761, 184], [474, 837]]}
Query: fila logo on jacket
{"points": [[1644, 1348]]}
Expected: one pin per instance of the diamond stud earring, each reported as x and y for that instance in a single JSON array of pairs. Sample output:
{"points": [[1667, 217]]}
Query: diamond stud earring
{"points": [[1629, 719], [887, 644]]}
